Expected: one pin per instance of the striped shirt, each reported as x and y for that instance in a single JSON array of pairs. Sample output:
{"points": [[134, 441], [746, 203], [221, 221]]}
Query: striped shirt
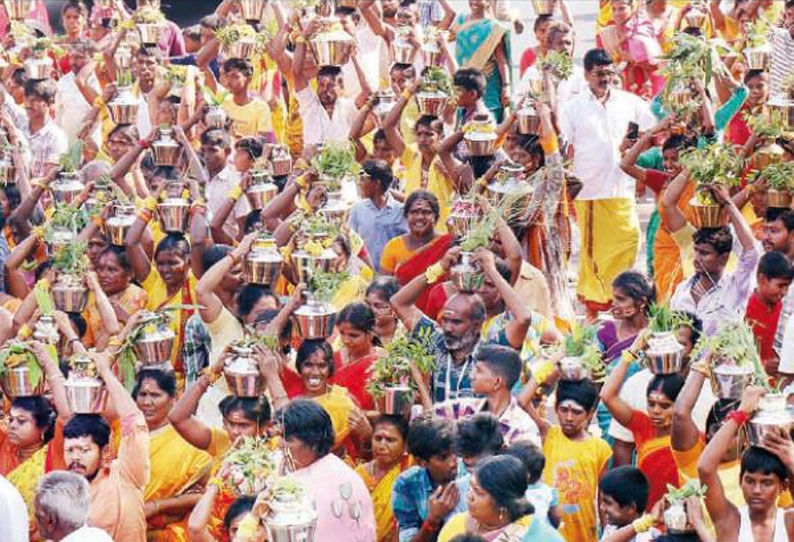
{"points": [[782, 61]]}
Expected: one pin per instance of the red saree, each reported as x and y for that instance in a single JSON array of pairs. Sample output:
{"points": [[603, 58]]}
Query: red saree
{"points": [[426, 256], [654, 457], [355, 377]]}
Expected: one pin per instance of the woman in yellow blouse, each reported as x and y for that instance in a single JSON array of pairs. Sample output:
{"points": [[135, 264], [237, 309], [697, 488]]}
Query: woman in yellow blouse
{"points": [[169, 282]]}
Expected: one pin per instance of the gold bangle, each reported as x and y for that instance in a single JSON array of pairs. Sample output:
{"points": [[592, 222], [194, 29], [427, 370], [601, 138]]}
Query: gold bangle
{"points": [[211, 375], [99, 221], [114, 342], [150, 204], [406, 94], [644, 523], [235, 193], [434, 272], [25, 331], [302, 182], [99, 103]]}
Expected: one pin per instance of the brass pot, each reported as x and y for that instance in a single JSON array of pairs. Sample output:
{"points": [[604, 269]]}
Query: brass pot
{"points": [[480, 144], [780, 199], [166, 150], [39, 68], [305, 263], [431, 103], [174, 215], [467, 276], [252, 10], [18, 10], [543, 7], [261, 192], [215, 118], [8, 171], [314, 320], [758, 58], [70, 293], [16, 383], [242, 48], [242, 373], [332, 47], [118, 225], [708, 216], [395, 401], [154, 348], [729, 381], [664, 355], [263, 265], [124, 107], [150, 33], [67, 187]]}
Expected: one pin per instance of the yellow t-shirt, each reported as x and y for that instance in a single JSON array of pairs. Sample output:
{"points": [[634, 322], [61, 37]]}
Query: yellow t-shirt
{"points": [[250, 119], [437, 182], [574, 468]]}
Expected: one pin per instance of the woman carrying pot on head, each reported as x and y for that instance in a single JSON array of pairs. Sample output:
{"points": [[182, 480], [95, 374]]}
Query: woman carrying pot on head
{"points": [[409, 255], [497, 508], [342, 500], [202, 518], [31, 441], [387, 325], [353, 361], [114, 273], [389, 460], [651, 430], [177, 467]]}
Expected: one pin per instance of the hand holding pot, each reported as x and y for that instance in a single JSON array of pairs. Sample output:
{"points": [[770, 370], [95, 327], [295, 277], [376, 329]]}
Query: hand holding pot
{"points": [[64, 325], [450, 258], [267, 361], [486, 259], [102, 361], [43, 357], [779, 443], [752, 395], [244, 247]]}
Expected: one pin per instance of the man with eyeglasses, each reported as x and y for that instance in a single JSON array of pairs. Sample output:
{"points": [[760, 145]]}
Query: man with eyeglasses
{"points": [[594, 124]]}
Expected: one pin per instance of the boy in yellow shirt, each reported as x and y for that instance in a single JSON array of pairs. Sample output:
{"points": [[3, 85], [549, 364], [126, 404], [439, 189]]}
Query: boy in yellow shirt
{"points": [[250, 115]]}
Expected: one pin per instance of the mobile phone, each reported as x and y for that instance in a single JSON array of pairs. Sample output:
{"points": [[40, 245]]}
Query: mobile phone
{"points": [[633, 133]]}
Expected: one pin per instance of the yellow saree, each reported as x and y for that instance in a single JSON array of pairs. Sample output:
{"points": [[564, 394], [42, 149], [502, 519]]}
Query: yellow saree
{"points": [[381, 498], [25, 477]]}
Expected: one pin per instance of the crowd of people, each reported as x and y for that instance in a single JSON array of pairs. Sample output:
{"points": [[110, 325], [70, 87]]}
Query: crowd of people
{"points": [[360, 270]]}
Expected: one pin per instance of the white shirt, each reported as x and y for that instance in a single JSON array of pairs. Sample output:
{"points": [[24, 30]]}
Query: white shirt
{"points": [[46, 147], [87, 534], [567, 89], [596, 131], [787, 350], [634, 392], [217, 189], [13, 514], [317, 125], [71, 106]]}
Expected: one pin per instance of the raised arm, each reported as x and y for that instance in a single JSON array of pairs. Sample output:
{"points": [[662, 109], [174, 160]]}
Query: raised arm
{"points": [[740, 225], [672, 214], [685, 434], [210, 305], [392, 120], [610, 393], [55, 378], [403, 302]]}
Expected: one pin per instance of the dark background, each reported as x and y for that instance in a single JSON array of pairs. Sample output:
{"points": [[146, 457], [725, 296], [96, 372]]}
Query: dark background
{"points": [[182, 12]]}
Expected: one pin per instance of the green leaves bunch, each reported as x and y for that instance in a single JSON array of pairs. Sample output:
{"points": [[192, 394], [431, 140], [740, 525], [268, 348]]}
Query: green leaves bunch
{"points": [[394, 369]]}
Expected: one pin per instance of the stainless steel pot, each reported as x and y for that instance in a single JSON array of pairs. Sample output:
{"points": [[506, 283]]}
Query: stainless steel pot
{"points": [[124, 107], [262, 265], [396, 401], [664, 355], [242, 373], [69, 293], [462, 217], [166, 150], [480, 144], [403, 51], [696, 18], [155, 347], [431, 103], [729, 381], [280, 161], [67, 187], [242, 48], [758, 58], [18, 10], [784, 110], [305, 263], [39, 68], [467, 276], [292, 521], [386, 100], [150, 33], [118, 225], [252, 10], [543, 7], [8, 171], [123, 58], [431, 55], [772, 417], [261, 192], [16, 382], [335, 210], [676, 519], [215, 117], [174, 215], [780, 199], [528, 120], [314, 320], [332, 46], [572, 368], [61, 237], [46, 330]]}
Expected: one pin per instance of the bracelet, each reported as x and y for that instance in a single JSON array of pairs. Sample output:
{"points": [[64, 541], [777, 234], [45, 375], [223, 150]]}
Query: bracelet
{"points": [[99, 103], [25, 331], [211, 375], [235, 193], [99, 221], [406, 94], [739, 416], [114, 342], [302, 182], [142, 143], [150, 203], [39, 183], [644, 523], [145, 215], [701, 367], [434, 272], [73, 339]]}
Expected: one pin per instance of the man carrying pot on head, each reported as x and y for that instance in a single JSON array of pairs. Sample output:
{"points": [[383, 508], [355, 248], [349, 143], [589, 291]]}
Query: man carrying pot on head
{"points": [[116, 484], [458, 334], [710, 294]]}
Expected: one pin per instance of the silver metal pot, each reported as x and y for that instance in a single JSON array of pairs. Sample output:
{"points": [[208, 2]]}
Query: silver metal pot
{"points": [[335, 210], [155, 347], [528, 120], [386, 100], [431, 54], [150, 33], [396, 401], [512, 185], [305, 263], [676, 519], [16, 382], [291, 521], [86, 395], [39, 68], [18, 10], [123, 58], [261, 192], [280, 161], [780, 199], [431, 103], [124, 107], [62, 237], [242, 373], [332, 47], [174, 215], [118, 225], [404, 51], [729, 381], [8, 171], [242, 48], [263, 264], [572, 368], [314, 320], [784, 109], [252, 10], [46, 330], [67, 187], [758, 58], [467, 276], [215, 117], [772, 417], [480, 144], [166, 150], [664, 355], [70, 293]]}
